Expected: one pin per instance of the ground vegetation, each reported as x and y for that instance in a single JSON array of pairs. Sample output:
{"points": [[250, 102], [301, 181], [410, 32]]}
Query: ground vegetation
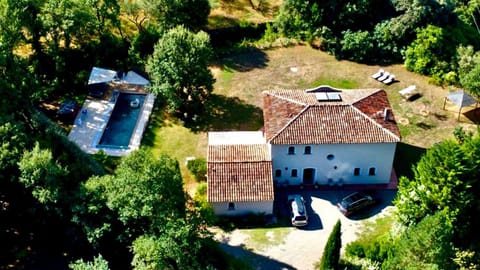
{"points": [[61, 206]]}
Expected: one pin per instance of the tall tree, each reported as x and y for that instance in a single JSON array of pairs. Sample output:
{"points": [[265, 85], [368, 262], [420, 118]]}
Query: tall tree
{"points": [[446, 178], [168, 14], [44, 176], [98, 263], [427, 245], [145, 192], [331, 252], [469, 69], [179, 246], [179, 71]]}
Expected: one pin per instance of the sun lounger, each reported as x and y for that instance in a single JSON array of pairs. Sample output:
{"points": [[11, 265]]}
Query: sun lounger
{"points": [[408, 92], [389, 80], [378, 74], [384, 76]]}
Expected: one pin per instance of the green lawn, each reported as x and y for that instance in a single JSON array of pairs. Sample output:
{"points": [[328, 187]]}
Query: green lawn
{"points": [[262, 238], [241, 78]]}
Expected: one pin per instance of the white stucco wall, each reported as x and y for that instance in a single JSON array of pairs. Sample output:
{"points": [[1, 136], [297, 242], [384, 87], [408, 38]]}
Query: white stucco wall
{"points": [[346, 157], [242, 208]]}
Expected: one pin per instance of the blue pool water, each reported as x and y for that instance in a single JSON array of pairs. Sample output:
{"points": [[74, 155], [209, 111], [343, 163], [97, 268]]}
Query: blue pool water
{"points": [[122, 121]]}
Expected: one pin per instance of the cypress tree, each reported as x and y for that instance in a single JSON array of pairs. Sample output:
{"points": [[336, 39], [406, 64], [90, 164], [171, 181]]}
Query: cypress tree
{"points": [[331, 253]]}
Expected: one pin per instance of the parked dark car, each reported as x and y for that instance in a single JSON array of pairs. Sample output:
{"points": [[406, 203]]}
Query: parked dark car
{"points": [[68, 110], [355, 202]]}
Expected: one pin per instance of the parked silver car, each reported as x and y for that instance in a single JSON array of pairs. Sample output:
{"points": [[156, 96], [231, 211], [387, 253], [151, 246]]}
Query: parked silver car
{"points": [[298, 211]]}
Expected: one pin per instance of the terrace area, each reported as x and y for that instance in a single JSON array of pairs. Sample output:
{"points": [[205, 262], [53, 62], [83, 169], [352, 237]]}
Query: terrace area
{"points": [[114, 121]]}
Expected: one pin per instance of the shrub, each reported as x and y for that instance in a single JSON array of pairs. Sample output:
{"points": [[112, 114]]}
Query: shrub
{"points": [[355, 248], [198, 167], [331, 253], [205, 209], [375, 250]]}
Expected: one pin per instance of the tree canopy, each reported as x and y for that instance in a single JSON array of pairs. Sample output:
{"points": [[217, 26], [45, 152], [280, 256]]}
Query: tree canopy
{"points": [[168, 14], [179, 71], [428, 245], [445, 179]]}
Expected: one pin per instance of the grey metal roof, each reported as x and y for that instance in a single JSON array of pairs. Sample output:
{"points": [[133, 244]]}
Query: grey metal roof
{"points": [[461, 99], [101, 75]]}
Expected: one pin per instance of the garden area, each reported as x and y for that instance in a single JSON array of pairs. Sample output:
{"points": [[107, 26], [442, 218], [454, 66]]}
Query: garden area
{"points": [[241, 78]]}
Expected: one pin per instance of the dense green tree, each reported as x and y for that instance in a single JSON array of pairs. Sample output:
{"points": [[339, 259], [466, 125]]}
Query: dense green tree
{"points": [[179, 71], [331, 252], [427, 245], [41, 174], [98, 263], [446, 178], [358, 46], [168, 14], [423, 54], [297, 19], [67, 21], [179, 246], [433, 53], [144, 192], [468, 68], [304, 18], [467, 59], [13, 141], [471, 81], [107, 13]]}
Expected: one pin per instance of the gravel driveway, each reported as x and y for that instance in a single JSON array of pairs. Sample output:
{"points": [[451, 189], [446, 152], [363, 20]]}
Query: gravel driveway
{"points": [[303, 247]]}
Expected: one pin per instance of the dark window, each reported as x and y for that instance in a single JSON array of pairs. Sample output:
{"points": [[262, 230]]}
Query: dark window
{"points": [[371, 171], [356, 171], [294, 173], [330, 157], [278, 173], [291, 150], [308, 150], [231, 206]]}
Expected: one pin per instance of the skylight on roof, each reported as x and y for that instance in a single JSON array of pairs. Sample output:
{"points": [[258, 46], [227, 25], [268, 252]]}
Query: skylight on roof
{"points": [[328, 96]]}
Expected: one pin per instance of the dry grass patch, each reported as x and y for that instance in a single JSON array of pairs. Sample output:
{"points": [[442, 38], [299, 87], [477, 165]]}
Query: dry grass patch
{"points": [[241, 78], [226, 13], [422, 121]]}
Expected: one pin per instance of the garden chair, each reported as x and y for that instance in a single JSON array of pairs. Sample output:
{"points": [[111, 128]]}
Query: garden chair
{"points": [[378, 74], [384, 76], [389, 80]]}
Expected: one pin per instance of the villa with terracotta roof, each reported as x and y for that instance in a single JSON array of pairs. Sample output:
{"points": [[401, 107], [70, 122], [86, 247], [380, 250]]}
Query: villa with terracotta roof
{"points": [[318, 137]]}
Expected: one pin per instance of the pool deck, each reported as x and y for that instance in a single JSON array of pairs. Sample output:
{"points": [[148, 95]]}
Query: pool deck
{"points": [[88, 128]]}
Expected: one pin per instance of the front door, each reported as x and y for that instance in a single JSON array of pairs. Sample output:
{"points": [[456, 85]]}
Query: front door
{"points": [[308, 175]]}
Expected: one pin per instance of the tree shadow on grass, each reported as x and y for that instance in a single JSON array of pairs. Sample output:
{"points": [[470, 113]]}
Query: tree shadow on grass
{"points": [[255, 260], [406, 156], [245, 60], [228, 113]]}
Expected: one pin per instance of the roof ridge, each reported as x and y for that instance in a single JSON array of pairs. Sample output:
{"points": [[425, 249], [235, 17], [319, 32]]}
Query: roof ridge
{"points": [[289, 122], [236, 162], [375, 122], [367, 96], [285, 98]]}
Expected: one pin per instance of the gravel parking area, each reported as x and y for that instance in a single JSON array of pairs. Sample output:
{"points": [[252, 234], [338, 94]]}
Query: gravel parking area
{"points": [[303, 247]]}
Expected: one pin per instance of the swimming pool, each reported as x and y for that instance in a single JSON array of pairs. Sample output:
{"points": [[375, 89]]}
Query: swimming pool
{"points": [[122, 121]]}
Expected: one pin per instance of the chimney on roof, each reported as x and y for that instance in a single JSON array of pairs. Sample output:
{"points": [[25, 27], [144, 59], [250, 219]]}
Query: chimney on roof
{"points": [[386, 114]]}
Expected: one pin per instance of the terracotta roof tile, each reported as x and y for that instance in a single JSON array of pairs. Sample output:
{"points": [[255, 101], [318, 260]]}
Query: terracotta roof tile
{"points": [[297, 117], [330, 125], [374, 106], [239, 173], [238, 153], [240, 182]]}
